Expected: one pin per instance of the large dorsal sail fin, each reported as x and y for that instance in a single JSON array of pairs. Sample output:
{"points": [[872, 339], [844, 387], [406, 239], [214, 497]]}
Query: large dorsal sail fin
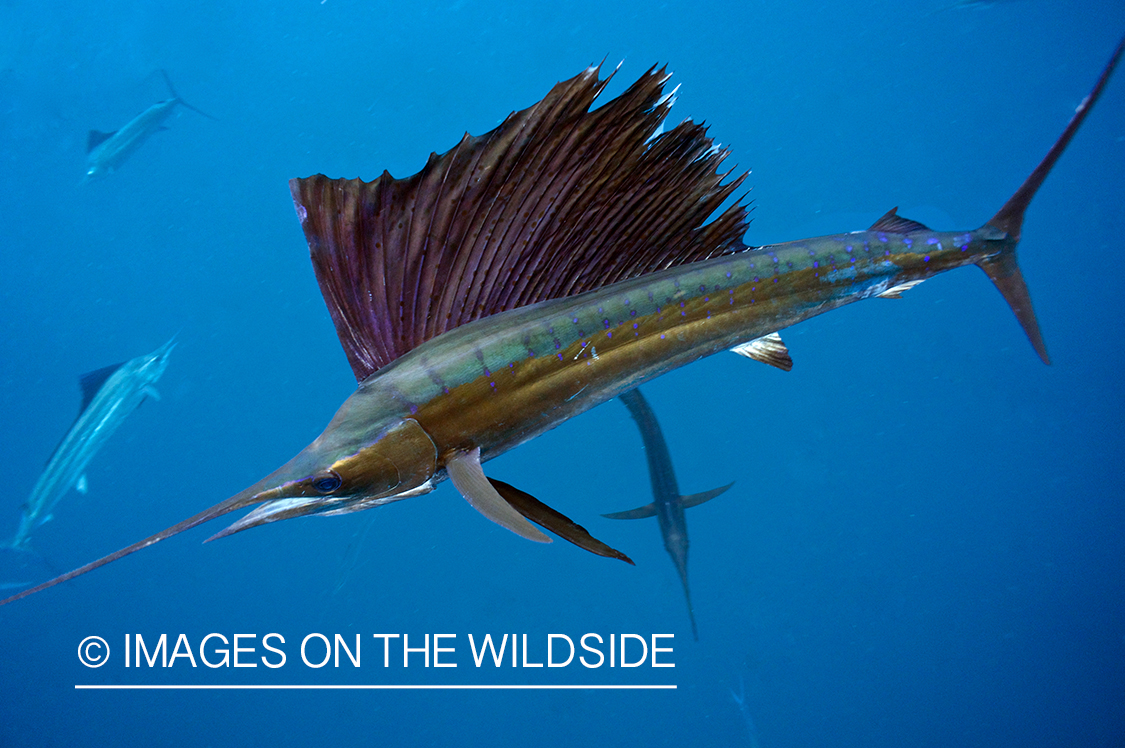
{"points": [[555, 201], [92, 381], [94, 138]]}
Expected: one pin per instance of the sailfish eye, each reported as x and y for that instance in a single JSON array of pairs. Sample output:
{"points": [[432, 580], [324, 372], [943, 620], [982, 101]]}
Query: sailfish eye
{"points": [[327, 482]]}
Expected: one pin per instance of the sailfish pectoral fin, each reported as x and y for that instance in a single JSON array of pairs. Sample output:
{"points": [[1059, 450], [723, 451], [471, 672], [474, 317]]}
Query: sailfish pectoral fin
{"points": [[641, 512], [696, 499], [555, 521], [468, 478]]}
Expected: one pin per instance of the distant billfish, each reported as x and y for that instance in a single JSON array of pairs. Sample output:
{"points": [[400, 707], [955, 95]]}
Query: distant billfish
{"points": [[541, 269], [668, 505], [106, 151], [109, 395], [744, 710]]}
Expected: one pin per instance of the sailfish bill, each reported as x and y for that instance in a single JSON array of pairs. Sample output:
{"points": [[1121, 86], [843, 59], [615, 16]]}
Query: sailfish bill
{"points": [[538, 270]]}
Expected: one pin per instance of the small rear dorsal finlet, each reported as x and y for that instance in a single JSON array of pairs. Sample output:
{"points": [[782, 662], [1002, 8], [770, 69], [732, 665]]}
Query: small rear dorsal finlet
{"points": [[893, 223]]}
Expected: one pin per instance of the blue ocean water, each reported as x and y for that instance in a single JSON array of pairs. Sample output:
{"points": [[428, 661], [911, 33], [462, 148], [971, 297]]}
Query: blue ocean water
{"points": [[923, 545]]}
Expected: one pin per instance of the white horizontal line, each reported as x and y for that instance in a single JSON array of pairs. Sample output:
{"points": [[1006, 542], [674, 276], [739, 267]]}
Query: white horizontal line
{"points": [[378, 687]]}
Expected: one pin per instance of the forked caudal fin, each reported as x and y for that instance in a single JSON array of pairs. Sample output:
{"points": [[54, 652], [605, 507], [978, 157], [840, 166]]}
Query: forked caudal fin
{"points": [[180, 100], [1003, 270]]}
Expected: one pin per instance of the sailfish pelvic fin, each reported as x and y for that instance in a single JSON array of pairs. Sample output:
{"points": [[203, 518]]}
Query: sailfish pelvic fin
{"points": [[553, 520]]}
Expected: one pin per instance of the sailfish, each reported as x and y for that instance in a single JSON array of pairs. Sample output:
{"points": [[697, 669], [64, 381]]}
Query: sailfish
{"points": [[547, 266], [106, 151], [668, 505], [109, 395]]}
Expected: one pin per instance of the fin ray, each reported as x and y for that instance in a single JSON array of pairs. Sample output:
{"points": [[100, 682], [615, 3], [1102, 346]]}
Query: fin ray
{"points": [[557, 200]]}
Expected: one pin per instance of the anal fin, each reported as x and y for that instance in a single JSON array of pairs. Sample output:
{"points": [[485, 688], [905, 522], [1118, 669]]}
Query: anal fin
{"points": [[555, 521], [895, 292], [769, 349], [468, 478]]}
